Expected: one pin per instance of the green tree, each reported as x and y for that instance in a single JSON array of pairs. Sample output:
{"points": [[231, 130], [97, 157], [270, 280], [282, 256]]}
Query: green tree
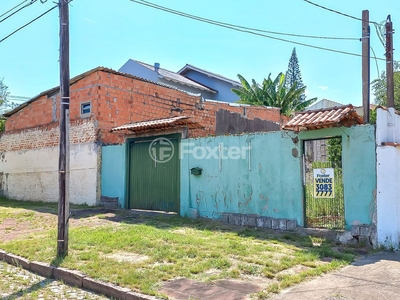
{"points": [[293, 74], [273, 93], [334, 150], [3, 103], [3, 93], [379, 87]]}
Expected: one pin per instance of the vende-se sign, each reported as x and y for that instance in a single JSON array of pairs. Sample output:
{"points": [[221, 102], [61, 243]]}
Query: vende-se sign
{"points": [[324, 183]]}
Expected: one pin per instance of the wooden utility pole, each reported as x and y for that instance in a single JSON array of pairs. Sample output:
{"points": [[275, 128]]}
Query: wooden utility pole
{"points": [[63, 162], [366, 40], [389, 62]]}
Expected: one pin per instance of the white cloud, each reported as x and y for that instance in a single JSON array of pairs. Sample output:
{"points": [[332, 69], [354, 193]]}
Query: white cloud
{"points": [[323, 87]]}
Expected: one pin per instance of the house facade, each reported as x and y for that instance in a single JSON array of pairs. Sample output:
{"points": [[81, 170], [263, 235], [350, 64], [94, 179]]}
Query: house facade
{"points": [[215, 81], [104, 105], [151, 146], [211, 86]]}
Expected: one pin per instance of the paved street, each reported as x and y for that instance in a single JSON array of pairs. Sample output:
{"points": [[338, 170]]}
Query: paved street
{"points": [[17, 283], [374, 277]]}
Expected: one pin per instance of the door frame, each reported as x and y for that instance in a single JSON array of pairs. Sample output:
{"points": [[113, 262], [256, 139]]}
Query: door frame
{"points": [[176, 134], [304, 179]]}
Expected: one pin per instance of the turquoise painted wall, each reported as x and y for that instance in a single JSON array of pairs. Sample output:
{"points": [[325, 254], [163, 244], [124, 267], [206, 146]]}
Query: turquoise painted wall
{"points": [[113, 170], [273, 185], [359, 170], [265, 181]]}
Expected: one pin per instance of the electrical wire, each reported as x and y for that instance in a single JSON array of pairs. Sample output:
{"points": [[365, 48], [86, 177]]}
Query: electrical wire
{"points": [[234, 27], [38, 17], [25, 6], [238, 26], [338, 12], [13, 8], [376, 61]]}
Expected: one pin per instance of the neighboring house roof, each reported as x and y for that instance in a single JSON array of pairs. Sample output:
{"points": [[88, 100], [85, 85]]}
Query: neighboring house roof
{"points": [[360, 109], [189, 67], [160, 124], [177, 78], [81, 76], [324, 103], [344, 115]]}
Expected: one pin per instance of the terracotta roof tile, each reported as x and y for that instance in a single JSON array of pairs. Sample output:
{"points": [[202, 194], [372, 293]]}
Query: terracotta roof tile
{"points": [[324, 118], [159, 124]]}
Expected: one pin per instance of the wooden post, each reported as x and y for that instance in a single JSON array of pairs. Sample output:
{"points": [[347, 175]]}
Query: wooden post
{"points": [[366, 39], [63, 168], [389, 62]]}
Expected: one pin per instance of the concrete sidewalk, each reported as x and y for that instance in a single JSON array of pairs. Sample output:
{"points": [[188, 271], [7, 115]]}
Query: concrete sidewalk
{"points": [[375, 276]]}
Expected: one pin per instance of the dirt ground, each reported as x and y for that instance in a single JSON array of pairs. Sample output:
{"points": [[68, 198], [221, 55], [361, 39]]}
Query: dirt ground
{"points": [[17, 226]]}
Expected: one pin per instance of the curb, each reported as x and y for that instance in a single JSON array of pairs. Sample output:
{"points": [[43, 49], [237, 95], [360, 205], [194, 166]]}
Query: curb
{"points": [[73, 278]]}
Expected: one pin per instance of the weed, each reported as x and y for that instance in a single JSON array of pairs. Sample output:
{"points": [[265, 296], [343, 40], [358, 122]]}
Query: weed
{"points": [[174, 247]]}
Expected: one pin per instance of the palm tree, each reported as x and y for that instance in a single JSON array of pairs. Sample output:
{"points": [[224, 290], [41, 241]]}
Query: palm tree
{"points": [[273, 93]]}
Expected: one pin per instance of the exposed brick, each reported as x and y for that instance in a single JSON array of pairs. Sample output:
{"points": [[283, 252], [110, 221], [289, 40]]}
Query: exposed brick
{"points": [[134, 99], [81, 131]]}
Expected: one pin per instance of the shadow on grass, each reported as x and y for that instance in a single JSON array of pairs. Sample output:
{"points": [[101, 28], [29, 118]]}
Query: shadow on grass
{"points": [[57, 261], [170, 221], [77, 211], [28, 290], [326, 249]]}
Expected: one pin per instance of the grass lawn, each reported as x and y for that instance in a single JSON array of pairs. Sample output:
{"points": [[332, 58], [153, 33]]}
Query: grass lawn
{"points": [[141, 252]]}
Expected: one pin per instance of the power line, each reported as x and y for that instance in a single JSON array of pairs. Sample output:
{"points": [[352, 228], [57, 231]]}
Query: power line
{"points": [[376, 62], [13, 8], [38, 17], [338, 12], [25, 6], [18, 98], [143, 2], [238, 28]]}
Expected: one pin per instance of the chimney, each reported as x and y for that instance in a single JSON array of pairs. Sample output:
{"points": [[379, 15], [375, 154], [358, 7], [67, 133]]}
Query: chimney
{"points": [[156, 66]]}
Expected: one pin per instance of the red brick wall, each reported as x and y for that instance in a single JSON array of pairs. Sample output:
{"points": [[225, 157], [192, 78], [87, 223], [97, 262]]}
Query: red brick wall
{"points": [[35, 114], [117, 100], [81, 131]]}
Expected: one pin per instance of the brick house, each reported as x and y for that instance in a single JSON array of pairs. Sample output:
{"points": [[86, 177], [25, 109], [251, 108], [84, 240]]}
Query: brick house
{"points": [[109, 112]]}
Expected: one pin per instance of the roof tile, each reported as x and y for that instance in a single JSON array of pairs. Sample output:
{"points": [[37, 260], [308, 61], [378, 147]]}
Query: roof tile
{"points": [[158, 124], [324, 118]]}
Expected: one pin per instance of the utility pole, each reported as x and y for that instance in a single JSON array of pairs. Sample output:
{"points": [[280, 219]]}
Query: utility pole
{"points": [[389, 62], [366, 40], [63, 162]]}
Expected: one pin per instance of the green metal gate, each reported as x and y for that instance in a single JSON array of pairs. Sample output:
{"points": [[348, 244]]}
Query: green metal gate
{"points": [[154, 174], [323, 183]]}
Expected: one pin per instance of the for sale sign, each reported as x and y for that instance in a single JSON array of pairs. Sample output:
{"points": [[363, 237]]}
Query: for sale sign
{"points": [[324, 183]]}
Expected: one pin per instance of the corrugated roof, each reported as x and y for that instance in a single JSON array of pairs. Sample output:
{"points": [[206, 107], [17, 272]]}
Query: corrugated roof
{"points": [[175, 77], [208, 73], [324, 103], [159, 124], [324, 118]]}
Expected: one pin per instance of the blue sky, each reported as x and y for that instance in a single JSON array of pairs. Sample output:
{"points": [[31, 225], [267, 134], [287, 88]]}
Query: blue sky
{"points": [[108, 33]]}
